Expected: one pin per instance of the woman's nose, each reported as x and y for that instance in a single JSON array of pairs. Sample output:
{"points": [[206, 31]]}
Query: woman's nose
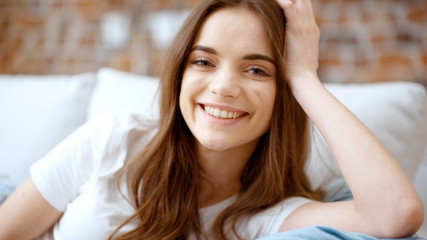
{"points": [[225, 83]]}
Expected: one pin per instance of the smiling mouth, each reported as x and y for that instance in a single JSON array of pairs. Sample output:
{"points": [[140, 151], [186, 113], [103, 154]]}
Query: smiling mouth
{"points": [[222, 113]]}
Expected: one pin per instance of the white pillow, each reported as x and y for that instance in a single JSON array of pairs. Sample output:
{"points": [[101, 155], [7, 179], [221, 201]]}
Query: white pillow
{"points": [[117, 90], [396, 112], [36, 113]]}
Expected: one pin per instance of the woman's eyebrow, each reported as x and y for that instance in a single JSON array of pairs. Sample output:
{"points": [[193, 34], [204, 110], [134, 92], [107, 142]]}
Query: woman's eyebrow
{"points": [[259, 57], [205, 49]]}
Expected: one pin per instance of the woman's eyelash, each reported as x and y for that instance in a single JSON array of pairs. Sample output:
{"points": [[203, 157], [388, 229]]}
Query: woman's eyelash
{"points": [[201, 62], [258, 72]]}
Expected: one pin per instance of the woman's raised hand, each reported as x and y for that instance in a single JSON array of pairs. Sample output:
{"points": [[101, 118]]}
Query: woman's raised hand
{"points": [[301, 40]]}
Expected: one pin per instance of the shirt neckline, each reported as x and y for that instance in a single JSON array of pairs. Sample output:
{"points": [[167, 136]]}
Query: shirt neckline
{"points": [[220, 205]]}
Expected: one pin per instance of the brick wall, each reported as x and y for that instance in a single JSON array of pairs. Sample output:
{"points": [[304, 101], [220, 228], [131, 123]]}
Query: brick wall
{"points": [[373, 40], [361, 40]]}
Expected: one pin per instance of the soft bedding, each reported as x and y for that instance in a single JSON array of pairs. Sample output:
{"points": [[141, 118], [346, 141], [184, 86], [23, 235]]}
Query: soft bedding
{"points": [[6, 187], [323, 233]]}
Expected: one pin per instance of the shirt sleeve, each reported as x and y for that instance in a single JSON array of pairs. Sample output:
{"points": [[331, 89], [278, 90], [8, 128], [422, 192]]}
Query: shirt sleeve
{"points": [[269, 221], [60, 174]]}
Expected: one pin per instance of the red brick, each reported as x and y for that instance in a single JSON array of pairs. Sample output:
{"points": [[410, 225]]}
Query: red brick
{"points": [[121, 61], [379, 38], [13, 47], [70, 61], [91, 10], [344, 19], [330, 62], [6, 63], [58, 4], [417, 15], [394, 59], [393, 68], [29, 20], [424, 60], [320, 21]]}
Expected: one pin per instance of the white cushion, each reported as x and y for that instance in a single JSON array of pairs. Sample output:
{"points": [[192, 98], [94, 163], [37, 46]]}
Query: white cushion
{"points": [[36, 113], [117, 90], [396, 112]]}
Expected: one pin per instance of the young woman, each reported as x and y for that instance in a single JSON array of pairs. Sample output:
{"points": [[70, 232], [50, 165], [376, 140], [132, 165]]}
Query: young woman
{"points": [[226, 159]]}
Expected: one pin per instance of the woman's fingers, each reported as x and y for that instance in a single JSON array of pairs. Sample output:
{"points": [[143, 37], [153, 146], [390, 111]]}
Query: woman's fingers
{"points": [[289, 9], [301, 39], [297, 10], [307, 10]]}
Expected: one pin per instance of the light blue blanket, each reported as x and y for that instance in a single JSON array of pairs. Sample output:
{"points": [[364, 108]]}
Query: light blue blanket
{"points": [[6, 187], [323, 233]]}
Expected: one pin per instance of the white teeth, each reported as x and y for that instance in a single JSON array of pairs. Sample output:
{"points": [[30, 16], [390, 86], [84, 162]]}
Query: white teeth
{"points": [[217, 112], [224, 114], [220, 113]]}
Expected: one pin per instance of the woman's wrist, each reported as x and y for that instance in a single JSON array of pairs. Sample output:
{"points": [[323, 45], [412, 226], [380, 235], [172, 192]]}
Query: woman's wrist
{"points": [[303, 82]]}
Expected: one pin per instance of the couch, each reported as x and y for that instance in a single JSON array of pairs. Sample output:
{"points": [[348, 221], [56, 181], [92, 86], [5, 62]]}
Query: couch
{"points": [[38, 111]]}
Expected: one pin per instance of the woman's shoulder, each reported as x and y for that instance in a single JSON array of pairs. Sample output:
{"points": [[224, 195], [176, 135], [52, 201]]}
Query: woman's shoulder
{"points": [[118, 129], [115, 138], [116, 125], [124, 120], [112, 133]]}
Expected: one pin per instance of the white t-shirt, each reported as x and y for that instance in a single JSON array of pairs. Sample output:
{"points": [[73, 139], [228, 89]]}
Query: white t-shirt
{"points": [[79, 178]]}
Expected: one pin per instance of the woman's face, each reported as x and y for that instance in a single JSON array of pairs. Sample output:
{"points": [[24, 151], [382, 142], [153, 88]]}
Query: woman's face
{"points": [[229, 84]]}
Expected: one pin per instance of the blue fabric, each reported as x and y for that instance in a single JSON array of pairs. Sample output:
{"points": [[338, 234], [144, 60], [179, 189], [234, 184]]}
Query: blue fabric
{"points": [[322, 233], [6, 187]]}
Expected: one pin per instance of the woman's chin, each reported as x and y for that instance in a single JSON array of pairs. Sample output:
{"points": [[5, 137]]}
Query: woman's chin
{"points": [[215, 144], [215, 147]]}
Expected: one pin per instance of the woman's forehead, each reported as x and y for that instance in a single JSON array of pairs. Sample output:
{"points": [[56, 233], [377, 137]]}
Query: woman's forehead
{"points": [[234, 28]]}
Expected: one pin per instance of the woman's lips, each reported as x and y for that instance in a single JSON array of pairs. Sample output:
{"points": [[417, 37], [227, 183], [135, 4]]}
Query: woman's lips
{"points": [[222, 115], [222, 112]]}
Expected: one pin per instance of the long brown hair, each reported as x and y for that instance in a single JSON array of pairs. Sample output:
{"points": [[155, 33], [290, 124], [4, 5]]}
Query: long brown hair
{"points": [[164, 179]]}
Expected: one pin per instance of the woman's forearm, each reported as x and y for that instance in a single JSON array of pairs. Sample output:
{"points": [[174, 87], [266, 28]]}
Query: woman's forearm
{"points": [[381, 189], [26, 214]]}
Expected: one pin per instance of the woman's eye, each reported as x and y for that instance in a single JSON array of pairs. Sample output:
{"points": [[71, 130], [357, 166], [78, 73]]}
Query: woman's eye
{"points": [[201, 62], [257, 72]]}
